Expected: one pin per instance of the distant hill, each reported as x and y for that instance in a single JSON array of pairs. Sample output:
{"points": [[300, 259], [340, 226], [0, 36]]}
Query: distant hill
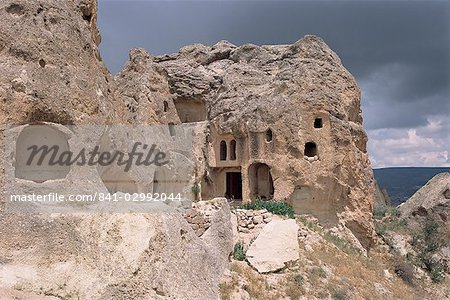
{"points": [[402, 183]]}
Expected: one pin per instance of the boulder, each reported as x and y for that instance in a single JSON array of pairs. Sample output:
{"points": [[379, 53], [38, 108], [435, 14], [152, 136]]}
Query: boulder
{"points": [[120, 256], [275, 246], [432, 197], [429, 208]]}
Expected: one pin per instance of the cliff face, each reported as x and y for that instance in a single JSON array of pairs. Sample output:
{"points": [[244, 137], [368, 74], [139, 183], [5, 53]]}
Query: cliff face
{"points": [[291, 109], [51, 68], [281, 122]]}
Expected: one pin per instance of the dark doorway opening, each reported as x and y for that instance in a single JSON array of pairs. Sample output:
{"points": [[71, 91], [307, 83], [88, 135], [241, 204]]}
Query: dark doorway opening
{"points": [[261, 182], [310, 149], [234, 185]]}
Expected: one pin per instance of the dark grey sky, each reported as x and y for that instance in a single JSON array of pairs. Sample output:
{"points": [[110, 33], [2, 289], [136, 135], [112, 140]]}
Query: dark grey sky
{"points": [[399, 52]]}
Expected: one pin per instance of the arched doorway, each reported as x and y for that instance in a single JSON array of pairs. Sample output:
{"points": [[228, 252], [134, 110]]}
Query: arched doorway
{"points": [[260, 180]]}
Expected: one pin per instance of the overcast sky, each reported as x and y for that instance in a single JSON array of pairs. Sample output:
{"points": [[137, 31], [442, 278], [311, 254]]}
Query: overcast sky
{"points": [[399, 52]]}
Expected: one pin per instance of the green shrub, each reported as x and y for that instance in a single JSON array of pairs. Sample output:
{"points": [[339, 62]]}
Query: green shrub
{"points": [[379, 212], [311, 225], [437, 273], [196, 189], [390, 225], [317, 272], [294, 287], [298, 279], [238, 251], [275, 207], [342, 244], [426, 243], [394, 212], [341, 294]]}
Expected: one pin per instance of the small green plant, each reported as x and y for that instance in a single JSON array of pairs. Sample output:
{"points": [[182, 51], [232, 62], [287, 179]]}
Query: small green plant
{"points": [[293, 287], [299, 279], [196, 189], [275, 207], [342, 244], [340, 294], [437, 272], [426, 244], [430, 230], [394, 224], [238, 251], [394, 212], [311, 225], [316, 273], [379, 212]]}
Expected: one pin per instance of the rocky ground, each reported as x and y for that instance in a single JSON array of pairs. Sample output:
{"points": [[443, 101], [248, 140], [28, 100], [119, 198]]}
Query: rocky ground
{"points": [[408, 261], [329, 267], [274, 256]]}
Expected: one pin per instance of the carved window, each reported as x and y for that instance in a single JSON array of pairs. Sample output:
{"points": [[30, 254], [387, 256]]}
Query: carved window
{"points": [[223, 150], [233, 150]]}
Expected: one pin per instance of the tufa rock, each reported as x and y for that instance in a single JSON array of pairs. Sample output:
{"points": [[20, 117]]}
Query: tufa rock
{"points": [[432, 198], [275, 246], [292, 113], [105, 256]]}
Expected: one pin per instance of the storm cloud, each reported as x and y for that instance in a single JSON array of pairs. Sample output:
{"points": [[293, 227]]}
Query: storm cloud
{"points": [[399, 52]]}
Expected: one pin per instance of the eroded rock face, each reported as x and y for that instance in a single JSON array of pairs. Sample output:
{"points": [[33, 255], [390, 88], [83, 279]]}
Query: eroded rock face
{"points": [[143, 87], [432, 198], [287, 118], [427, 214], [51, 68], [126, 256], [52, 74]]}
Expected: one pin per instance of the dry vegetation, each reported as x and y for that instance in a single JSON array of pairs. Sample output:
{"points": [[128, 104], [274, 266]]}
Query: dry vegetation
{"points": [[332, 270]]}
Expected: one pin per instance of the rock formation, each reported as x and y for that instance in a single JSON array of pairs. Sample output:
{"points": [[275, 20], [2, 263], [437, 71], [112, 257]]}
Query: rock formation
{"points": [[284, 122], [382, 198], [428, 213], [431, 199], [51, 67], [114, 256], [281, 122], [274, 247], [419, 229]]}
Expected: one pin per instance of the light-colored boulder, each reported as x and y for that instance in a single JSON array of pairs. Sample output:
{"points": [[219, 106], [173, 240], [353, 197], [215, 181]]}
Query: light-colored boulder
{"points": [[114, 256], [433, 196], [275, 246]]}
